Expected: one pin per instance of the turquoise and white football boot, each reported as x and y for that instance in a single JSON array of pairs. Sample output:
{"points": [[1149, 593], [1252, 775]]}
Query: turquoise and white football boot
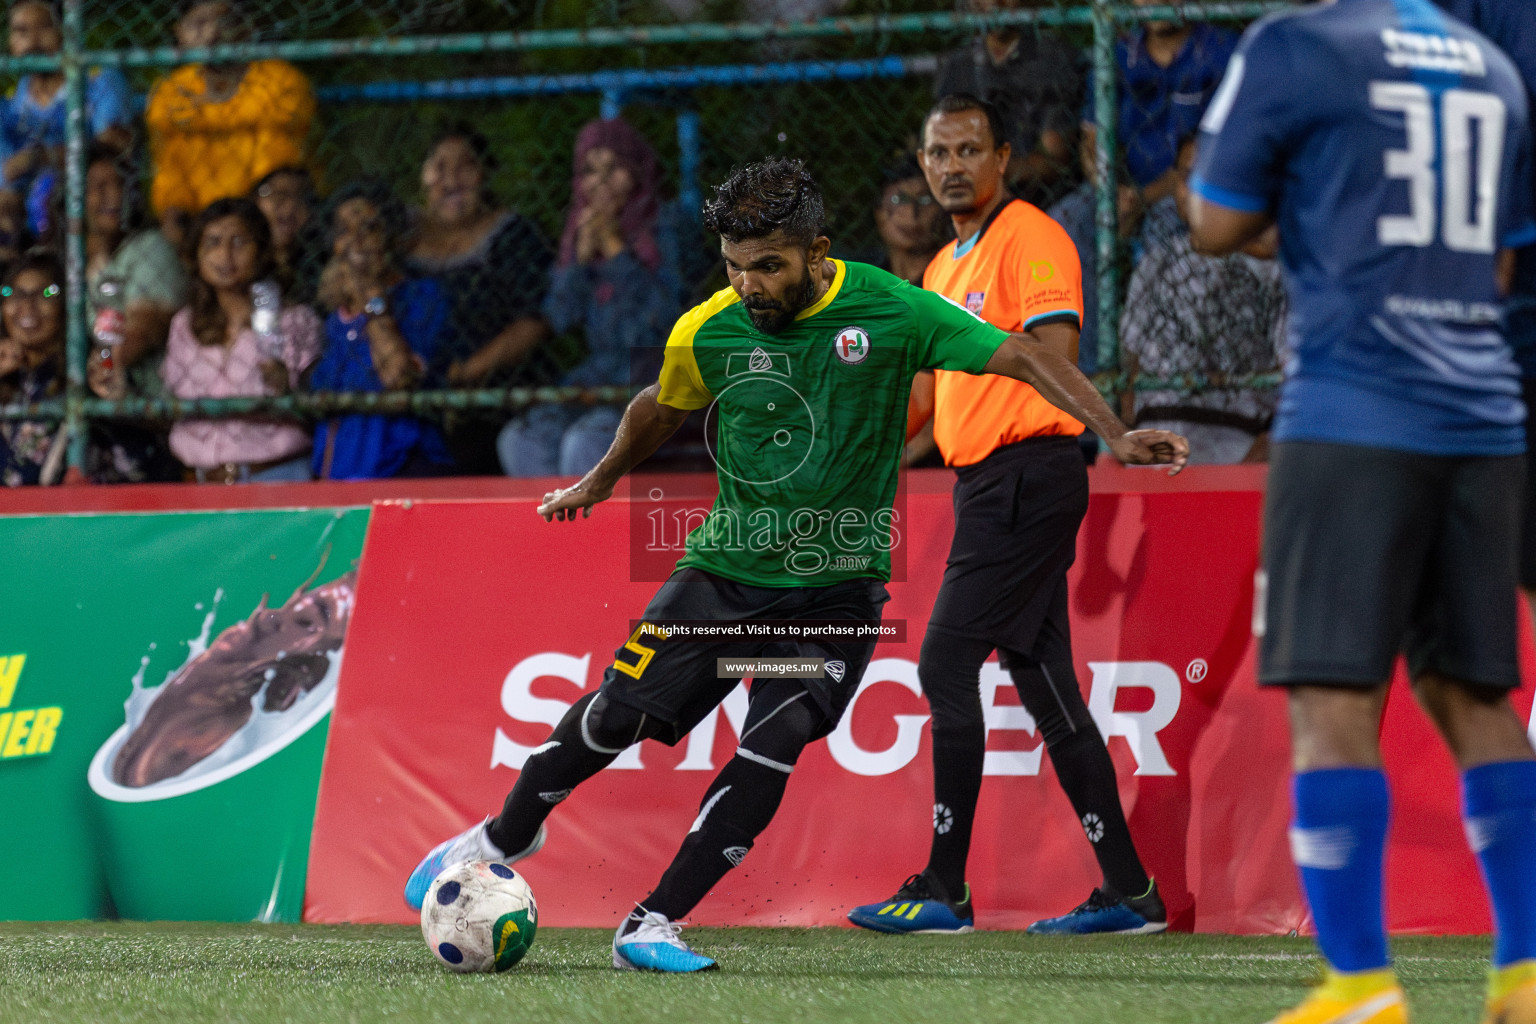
{"points": [[649, 942]]}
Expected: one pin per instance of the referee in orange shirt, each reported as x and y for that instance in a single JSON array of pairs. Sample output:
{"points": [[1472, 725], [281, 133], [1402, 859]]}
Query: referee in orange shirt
{"points": [[1021, 492]]}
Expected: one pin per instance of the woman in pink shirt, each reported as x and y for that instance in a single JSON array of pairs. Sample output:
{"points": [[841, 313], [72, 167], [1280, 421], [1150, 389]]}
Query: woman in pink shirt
{"points": [[214, 352]]}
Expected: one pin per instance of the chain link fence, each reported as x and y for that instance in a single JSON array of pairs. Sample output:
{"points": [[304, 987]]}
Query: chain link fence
{"points": [[436, 140]]}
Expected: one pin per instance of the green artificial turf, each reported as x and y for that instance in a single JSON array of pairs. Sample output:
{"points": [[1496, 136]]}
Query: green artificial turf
{"points": [[108, 972]]}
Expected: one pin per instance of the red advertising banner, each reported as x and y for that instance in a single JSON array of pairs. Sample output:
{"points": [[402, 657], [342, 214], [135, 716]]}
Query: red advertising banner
{"points": [[477, 624]]}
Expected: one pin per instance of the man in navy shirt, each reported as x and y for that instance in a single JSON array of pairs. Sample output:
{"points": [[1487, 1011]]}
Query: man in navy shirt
{"points": [[1391, 144], [1167, 72]]}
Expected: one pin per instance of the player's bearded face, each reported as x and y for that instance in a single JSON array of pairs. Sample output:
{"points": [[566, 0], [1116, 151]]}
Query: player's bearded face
{"points": [[771, 315]]}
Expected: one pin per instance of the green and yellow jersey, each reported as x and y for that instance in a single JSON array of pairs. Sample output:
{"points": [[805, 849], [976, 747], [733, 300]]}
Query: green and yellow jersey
{"points": [[808, 424]]}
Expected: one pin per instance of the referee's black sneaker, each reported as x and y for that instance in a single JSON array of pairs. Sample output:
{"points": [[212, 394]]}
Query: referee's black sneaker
{"points": [[920, 907], [1106, 912]]}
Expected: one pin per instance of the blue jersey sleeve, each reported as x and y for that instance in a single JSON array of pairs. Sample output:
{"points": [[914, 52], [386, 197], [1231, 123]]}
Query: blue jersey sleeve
{"points": [[1251, 123]]}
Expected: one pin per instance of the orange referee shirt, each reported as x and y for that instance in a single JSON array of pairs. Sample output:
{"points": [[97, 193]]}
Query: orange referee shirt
{"points": [[1022, 272]]}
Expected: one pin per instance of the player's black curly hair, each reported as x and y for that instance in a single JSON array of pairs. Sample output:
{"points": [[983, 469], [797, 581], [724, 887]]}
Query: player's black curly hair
{"points": [[770, 195]]}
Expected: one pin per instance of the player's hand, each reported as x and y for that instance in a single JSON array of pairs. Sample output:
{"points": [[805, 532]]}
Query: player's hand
{"points": [[561, 505], [1152, 448]]}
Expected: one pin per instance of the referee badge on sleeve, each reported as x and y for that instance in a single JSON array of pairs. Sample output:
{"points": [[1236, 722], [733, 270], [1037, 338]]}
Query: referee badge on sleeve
{"points": [[974, 301]]}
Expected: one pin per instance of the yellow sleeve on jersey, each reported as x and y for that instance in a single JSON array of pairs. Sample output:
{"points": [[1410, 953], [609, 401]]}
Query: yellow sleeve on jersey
{"points": [[682, 386]]}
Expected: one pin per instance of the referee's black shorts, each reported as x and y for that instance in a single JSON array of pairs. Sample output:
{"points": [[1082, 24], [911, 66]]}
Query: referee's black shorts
{"points": [[1016, 518], [1370, 552], [675, 680]]}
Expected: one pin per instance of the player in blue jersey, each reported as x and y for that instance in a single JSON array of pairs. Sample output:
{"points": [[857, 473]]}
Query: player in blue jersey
{"points": [[1512, 25], [1391, 145]]}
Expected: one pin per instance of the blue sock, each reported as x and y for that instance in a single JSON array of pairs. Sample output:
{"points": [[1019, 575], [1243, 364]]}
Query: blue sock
{"points": [[1499, 806], [1338, 840]]}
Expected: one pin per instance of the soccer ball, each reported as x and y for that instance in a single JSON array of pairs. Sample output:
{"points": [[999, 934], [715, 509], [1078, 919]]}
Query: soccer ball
{"points": [[479, 916]]}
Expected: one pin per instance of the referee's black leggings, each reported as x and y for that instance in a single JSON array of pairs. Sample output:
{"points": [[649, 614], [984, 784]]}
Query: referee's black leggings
{"points": [[950, 671]]}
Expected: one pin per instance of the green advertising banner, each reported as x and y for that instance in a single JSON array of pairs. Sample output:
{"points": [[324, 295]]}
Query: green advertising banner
{"points": [[166, 683]]}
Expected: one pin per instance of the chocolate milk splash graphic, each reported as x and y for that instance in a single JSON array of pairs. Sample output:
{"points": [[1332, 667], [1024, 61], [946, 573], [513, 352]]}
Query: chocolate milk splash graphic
{"points": [[264, 664]]}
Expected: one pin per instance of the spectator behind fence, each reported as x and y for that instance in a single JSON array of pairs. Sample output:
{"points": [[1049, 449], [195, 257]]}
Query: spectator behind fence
{"points": [[1033, 79], [1217, 317], [217, 129], [32, 368], [287, 199], [134, 285], [130, 267], [214, 352], [494, 265], [911, 224], [1166, 75], [32, 115], [383, 331], [613, 285]]}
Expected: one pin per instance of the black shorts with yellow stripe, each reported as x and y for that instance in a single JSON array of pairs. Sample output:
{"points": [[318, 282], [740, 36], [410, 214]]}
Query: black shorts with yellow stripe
{"points": [[676, 679]]}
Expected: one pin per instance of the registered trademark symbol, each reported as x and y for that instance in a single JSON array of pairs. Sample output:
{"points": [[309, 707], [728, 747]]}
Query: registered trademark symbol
{"points": [[1196, 670]]}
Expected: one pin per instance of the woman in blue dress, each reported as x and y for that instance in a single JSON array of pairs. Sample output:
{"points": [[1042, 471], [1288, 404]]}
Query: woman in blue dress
{"points": [[383, 331]]}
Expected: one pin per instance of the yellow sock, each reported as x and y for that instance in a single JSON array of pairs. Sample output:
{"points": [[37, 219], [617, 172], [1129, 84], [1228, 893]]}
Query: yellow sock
{"points": [[1504, 980], [1351, 988]]}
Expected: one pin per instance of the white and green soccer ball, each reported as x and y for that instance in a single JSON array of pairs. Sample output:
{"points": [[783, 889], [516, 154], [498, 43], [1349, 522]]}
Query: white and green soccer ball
{"points": [[479, 917]]}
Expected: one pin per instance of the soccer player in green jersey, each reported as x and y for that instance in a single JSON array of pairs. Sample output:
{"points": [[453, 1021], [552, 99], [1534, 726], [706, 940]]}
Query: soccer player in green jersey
{"points": [[805, 363]]}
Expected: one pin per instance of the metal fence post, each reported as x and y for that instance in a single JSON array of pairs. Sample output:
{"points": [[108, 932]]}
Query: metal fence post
{"points": [[76, 340], [689, 147], [1106, 220]]}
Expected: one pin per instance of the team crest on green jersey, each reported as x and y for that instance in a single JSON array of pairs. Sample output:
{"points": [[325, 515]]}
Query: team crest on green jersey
{"points": [[851, 345]]}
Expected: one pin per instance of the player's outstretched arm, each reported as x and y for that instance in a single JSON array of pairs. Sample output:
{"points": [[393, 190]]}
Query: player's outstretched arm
{"points": [[646, 425], [1024, 357]]}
